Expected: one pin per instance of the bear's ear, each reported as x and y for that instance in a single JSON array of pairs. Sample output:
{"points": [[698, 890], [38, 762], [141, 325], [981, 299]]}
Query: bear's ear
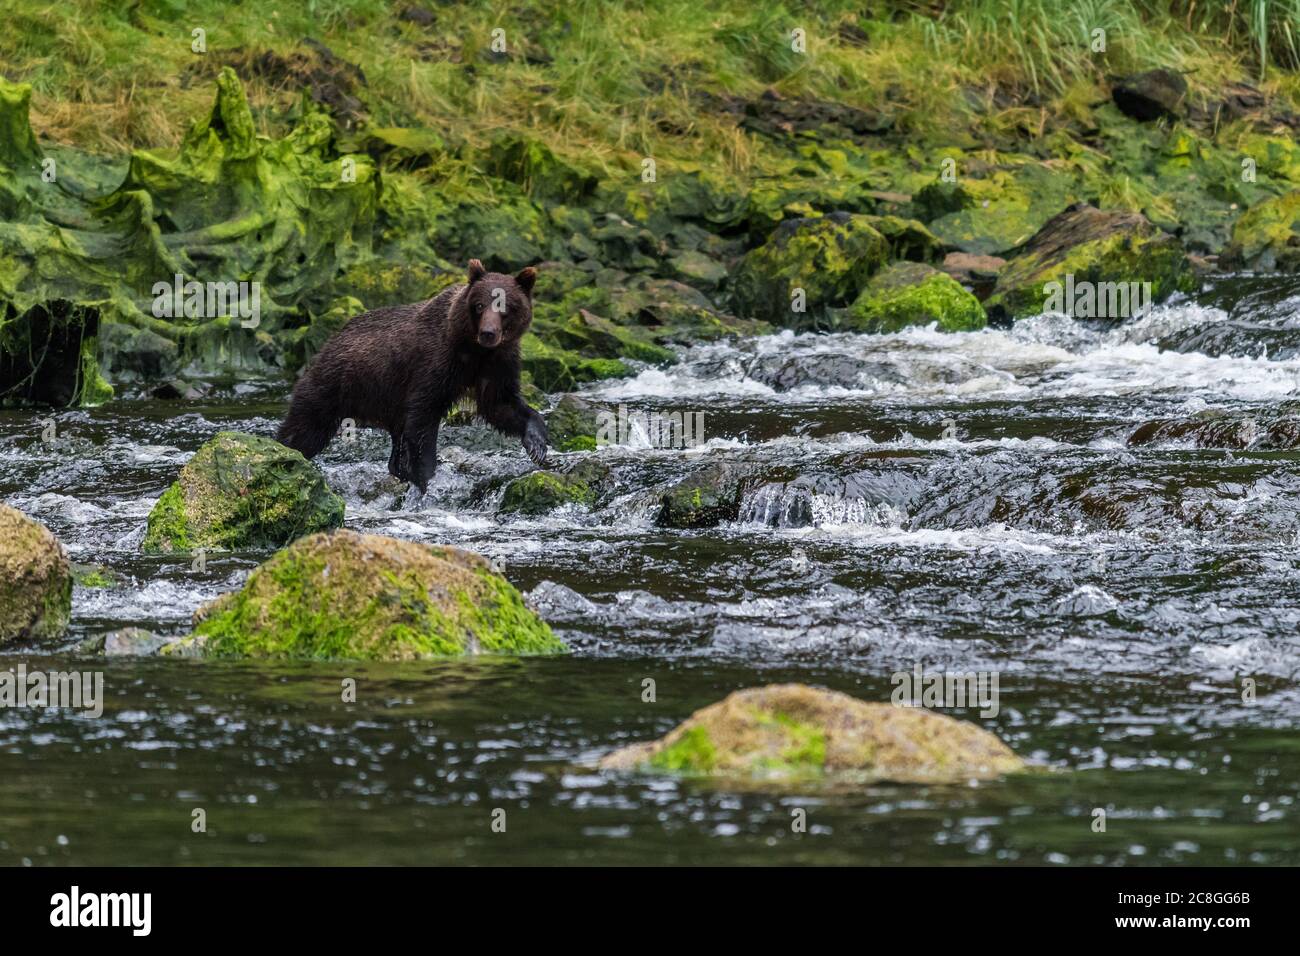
{"points": [[476, 271], [526, 278]]}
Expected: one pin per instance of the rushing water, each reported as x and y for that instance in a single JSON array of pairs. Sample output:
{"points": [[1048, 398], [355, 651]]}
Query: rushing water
{"points": [[969, 502]]}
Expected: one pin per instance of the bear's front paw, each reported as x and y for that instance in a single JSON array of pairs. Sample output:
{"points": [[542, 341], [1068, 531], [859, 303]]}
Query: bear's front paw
{"points": [[535, 443]]}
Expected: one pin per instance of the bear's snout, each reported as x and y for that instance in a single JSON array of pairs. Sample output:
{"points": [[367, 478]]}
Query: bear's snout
{"points": [[489, 337]]}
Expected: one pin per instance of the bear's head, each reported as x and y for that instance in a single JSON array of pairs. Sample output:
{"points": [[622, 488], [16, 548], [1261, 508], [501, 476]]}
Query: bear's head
{"points": [[498, 308]]}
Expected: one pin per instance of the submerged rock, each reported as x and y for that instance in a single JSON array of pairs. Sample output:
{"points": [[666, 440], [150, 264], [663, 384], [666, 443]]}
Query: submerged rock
{"points": [[35, 580], [1087, 249], [346, 596], [95, 576], [1219, 430], [785, 732], [912, 293], [242, 491], [829, 259], [703, 499], [126, 642]]}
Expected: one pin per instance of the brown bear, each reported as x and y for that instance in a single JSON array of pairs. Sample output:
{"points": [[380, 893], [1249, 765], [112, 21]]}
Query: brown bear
{"points": [[402, 368]]}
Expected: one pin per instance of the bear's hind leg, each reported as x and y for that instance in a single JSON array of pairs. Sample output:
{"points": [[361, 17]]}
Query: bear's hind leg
{"points": [[397, 459]]}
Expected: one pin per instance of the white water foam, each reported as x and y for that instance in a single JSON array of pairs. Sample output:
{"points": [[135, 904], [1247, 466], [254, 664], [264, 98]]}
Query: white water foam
{"points": [[1049, 356]]}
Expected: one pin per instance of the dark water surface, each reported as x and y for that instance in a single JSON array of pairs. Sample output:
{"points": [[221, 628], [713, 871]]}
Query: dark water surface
{"points": [[1123, 595]]}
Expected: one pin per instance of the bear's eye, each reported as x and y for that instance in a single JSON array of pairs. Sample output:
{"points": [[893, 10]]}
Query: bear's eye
{"points": [[478, 306]]}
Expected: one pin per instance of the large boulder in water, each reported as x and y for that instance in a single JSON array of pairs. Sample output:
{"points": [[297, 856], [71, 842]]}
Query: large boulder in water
{"points": [[346, 596], [1090, 250], [242, 491], [913, 293], [830, 258], [35, 580], [785, 732]]}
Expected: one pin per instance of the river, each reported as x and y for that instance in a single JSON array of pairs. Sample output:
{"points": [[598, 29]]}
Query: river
{"points": [[969, 502]]}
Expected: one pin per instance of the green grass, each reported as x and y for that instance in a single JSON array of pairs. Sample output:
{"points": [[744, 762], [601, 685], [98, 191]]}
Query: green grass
{"points": [[606, 83]]}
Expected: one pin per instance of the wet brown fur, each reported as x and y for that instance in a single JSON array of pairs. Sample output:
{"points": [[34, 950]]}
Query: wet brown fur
{"points": [[402, 368]]}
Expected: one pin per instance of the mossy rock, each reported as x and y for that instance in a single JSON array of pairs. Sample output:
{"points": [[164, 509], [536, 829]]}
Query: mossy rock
{"points": [[1094, 247], [908, 238], [1267, 236], [830, 258], [380, 282], [341, 595], [1151, 95], [242, 491], [912, 293], [703, 499], [573, 424], [541, 491], [941, 198], [595, 337], [794, 733], [35, 580], [695, 268], [94, 576], [557, 369], [997, 211]]}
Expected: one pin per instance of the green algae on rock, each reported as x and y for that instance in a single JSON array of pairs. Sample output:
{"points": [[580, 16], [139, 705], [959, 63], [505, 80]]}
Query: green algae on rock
{"points": [[703, 499], [341, 595], [996, 211], [912, 293], [573, 424], [541, 491], [35, 580], [1090, 249], [1267, 236], [795, 733], [284, 215], [828, 259], [242, 491]]}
